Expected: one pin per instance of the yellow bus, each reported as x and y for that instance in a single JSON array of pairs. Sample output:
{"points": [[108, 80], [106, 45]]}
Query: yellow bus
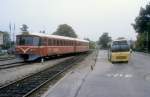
{"points": [[119, 51]]}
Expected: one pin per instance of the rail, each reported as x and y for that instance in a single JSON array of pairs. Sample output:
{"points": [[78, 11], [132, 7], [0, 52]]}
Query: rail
{"points": [[26, 86]]}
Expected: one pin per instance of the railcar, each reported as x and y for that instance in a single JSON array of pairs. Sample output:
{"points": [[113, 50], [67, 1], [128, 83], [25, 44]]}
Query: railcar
{"points": [[31, 46]]}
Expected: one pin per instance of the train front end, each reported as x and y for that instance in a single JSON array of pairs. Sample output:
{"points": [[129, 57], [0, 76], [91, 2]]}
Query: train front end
{"points": [[27, 47]]}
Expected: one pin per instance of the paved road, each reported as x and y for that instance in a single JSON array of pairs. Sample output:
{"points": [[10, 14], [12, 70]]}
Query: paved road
{"points": [[110, 80], [119, 80]]}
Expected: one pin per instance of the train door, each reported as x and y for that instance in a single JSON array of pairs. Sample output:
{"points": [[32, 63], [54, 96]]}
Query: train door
{"points": [[43, 46]]}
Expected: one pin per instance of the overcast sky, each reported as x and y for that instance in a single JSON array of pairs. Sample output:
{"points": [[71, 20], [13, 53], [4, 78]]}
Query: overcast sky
{"points": [[89, 18]]}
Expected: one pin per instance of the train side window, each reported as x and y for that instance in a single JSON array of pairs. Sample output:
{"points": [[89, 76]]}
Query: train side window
{"points": [[62, 42], [72, 43], [54, 42], [43, 41], [49, 42], [66, 43], [57, 42], [69, 43]]}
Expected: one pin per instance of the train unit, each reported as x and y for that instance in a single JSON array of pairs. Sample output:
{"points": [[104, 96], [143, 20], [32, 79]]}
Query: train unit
{"points": [[30, 46]]}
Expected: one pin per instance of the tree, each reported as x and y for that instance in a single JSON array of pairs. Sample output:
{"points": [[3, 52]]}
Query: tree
{"points": [[65, 30], [104, 40], [24, 28], [42, 31], [92, 44], [142, 27]]}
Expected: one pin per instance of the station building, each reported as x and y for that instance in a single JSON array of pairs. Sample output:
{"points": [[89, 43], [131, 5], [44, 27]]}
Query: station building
{"points": [[4, 39]]}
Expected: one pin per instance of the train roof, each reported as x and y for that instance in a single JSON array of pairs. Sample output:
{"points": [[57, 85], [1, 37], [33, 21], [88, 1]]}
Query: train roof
{"points": [[54, 36]]}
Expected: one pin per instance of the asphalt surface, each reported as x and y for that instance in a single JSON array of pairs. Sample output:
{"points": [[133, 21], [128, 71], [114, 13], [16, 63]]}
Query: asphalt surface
{"points": [[108, 80]]}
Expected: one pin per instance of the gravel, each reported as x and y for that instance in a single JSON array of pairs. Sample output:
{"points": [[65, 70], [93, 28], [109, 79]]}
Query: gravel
{"points": [[12, 74]]}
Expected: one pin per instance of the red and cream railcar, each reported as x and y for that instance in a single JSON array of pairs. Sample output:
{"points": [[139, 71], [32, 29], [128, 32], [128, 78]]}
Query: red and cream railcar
{"points": [[33, 46]]}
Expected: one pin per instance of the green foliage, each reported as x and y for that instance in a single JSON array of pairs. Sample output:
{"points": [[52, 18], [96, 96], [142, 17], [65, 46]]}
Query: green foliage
{"points": [[24, 28], [92, 44], [140, 43], [104, 40], [65, 30], [142, 27]]}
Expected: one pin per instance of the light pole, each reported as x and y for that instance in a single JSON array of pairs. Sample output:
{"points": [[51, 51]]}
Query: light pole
{"points": [[10, 32], [148, 32], [148, 36], [147, 42]]}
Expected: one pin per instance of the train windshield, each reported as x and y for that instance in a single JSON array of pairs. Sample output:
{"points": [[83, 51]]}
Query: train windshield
{"points": [[120, 46], [28, 40]]}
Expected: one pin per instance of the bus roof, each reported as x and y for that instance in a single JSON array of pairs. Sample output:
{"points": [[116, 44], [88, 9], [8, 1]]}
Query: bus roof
{"points": [[120, 40]]}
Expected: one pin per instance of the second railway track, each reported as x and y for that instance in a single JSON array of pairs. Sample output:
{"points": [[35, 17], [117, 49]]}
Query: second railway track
{"points": [[11, 65], [28, 85]]}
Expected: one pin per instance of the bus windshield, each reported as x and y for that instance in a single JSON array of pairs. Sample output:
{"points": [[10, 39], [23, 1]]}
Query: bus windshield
{"points": [[28, 40], [120, 46]]}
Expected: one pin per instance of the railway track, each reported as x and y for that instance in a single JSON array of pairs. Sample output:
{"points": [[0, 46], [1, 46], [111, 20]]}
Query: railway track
{"points": [[11, 65], [26, 86], [5, 59], [21, 63]]}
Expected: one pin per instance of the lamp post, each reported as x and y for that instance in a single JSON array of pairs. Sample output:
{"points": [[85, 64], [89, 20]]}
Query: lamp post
{"points": [[148, 32], [10, 32], [148, 36], [147, 43]]}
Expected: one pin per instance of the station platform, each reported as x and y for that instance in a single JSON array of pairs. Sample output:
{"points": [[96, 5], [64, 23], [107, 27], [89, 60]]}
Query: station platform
{"points": [[83, 82]]}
